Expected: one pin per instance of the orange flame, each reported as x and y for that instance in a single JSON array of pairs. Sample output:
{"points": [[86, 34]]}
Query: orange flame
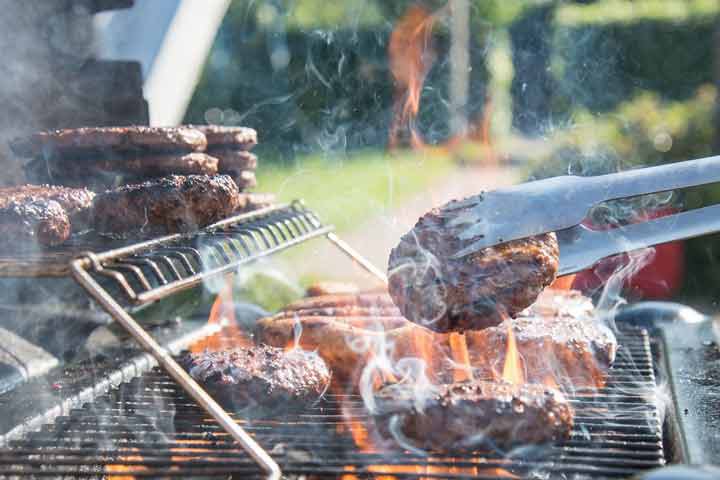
{"points": [[462, 370], [222, 312], [513, 368], [411, 56]]}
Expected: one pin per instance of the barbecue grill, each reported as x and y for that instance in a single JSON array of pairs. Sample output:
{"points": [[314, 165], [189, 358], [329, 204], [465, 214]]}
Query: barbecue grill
{"points": [[132, 414]]}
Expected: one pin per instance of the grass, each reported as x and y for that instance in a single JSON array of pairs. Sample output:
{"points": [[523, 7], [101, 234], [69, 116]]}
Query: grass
{"points": [[347, 190], [624, 11]]}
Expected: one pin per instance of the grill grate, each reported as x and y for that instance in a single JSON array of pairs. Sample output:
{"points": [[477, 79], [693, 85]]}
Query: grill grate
{"points": [[150, 427]]}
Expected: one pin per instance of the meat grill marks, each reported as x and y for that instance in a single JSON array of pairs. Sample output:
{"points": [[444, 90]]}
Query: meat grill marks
{"points": [[103, 139], [263, 378], [170, 204], [558, 339], [32, 215], [473, 292], [468, 415]]}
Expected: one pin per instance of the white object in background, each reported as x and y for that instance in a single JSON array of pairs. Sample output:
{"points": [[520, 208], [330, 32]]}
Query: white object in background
{"points": [[171, 39]]}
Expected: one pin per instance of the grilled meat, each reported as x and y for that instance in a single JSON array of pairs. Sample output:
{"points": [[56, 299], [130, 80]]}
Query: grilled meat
{"points": [[170, 204], [261, 376], [75, 201], [558, 339], [230, 138], [104, 171], [235, 160], [244, 179], [473, 292], [348, 344], [330, 288], [103, 139], [368, 300], [345, 311], [254, 201], [463, 416], [31, 222]]}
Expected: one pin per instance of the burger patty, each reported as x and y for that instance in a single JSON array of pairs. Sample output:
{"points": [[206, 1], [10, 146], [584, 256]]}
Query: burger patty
{"points": [[76, 202], [463, 416], [260, 376], [234, 160], [170, 204], [102, 139], [249, 202], [558, 339], [244, 179], [32, 222], [433, 288], [223, 137]]}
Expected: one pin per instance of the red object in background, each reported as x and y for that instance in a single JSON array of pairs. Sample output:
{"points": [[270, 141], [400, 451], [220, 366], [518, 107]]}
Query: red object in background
{"points": [[660, 279]]}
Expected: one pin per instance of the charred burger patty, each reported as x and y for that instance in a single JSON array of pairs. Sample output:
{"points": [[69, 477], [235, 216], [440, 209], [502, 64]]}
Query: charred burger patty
{"points": [[471, 414], [264, 376], [171, 204], [444, 293]]}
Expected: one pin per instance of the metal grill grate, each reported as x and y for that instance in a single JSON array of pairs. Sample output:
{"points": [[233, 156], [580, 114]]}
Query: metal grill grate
{"points": [[150, 427]]}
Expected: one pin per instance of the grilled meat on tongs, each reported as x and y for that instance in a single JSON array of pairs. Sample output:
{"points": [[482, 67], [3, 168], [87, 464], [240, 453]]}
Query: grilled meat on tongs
{"points": [[524, 219]]}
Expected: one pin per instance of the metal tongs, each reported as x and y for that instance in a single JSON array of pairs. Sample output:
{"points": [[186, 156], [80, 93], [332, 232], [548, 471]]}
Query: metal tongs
{"points": [[561, 204]]}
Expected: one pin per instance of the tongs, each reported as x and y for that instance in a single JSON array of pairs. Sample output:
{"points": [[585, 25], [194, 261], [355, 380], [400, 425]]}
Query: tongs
{"points": [[561, 204]]}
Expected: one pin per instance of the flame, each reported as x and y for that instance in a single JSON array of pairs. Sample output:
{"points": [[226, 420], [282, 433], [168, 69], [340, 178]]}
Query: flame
{"points": [[462, 370], [513, 368], [222, 312], [121, 472], [563, 283], [411, 56]]}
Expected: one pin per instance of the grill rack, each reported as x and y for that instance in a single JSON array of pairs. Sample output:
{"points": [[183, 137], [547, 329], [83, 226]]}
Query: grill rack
{"points": [[125, 279], [150, 427]]}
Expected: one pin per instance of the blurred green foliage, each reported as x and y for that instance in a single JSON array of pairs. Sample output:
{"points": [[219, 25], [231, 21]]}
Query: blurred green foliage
{"points": [[644, 131], [647, 131], [610, 11], [321, 82]]}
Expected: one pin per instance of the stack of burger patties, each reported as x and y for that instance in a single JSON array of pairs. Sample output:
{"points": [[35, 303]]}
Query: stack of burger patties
{"points": [[105, 157], [149, 179]]}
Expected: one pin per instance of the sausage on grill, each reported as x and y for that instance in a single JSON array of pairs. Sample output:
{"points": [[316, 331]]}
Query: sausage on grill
{"points": [[444, 293]]}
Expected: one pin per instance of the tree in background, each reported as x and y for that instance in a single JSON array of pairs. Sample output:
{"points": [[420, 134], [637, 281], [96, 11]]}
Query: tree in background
{"points": [[532, 85]]}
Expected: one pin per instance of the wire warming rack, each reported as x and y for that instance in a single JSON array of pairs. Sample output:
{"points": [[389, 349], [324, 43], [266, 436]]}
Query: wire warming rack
{"points": [[127, 278]]}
